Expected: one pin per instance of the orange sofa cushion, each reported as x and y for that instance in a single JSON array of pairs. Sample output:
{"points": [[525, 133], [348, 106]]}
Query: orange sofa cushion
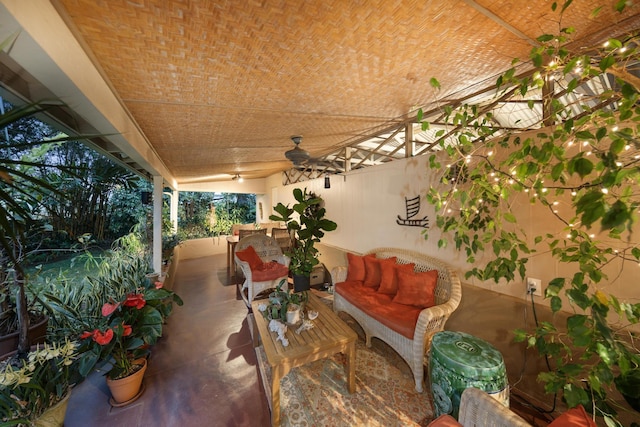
{"points": [[250, 256], [373, 270], [356, 269], [389, 277], [417, 289], [400, 318]]}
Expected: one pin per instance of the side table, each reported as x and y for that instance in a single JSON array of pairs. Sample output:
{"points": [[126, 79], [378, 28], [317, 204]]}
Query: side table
{"points": [[459, 361]]}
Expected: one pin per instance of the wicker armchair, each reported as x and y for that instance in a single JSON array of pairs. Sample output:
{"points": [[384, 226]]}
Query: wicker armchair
{"points": [[431, 320], [478, 408], [268, 250]]}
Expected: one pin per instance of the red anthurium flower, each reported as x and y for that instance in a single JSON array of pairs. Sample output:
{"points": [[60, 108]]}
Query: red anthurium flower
{"points": [[135, 300], [109, 308], [127, 330], [86, 334], [103, 338], [159, 285]]}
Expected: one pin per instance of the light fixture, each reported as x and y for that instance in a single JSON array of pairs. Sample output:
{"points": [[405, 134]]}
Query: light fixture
{"points": [[327, 181], [297, 155], [238, 177]]}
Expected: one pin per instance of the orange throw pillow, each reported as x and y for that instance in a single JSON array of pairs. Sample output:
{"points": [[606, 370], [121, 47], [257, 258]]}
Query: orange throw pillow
{"points": [[250, 256], [417, 289], [372, 270], [356, 269], [389, 277], [574, 417]]}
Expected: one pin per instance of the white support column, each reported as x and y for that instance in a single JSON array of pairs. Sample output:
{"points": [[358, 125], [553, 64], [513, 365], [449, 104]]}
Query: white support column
{"points": [[158, 185], [175, 197], [408, 140]]}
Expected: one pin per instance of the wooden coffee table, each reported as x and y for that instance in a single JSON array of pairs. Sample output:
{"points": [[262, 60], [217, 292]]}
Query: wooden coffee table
{"points": [[329, 336]]}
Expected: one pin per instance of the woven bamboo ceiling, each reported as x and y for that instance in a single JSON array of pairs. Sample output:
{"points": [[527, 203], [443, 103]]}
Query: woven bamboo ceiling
{"points": [[219, 87]]}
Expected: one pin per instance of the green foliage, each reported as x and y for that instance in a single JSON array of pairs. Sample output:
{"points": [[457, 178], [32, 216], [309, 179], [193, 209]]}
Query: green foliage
{"points": [[279, 301], [309, 228], [78, 308], [31, 385], [213, 214], [587, 161]]}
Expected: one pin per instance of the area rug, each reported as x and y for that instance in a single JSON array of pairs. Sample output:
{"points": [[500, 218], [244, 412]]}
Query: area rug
{"points": [[315, 394]]}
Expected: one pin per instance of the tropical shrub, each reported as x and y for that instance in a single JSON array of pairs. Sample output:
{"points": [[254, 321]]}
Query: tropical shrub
{"points": [[584, 154]]}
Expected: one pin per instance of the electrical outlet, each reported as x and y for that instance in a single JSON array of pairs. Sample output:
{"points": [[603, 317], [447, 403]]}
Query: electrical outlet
{"points": [[534, 286]]}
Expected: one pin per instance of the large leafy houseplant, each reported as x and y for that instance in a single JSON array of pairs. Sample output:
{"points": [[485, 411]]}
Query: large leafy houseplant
{"points": [[308, 228], [583, 154]]}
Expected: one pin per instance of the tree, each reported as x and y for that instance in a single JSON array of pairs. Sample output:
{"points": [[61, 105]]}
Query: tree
{"points": [[587, 157]]}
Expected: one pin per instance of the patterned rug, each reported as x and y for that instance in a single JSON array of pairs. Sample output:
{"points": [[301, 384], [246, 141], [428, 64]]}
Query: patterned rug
{"points": [[315, 394]]}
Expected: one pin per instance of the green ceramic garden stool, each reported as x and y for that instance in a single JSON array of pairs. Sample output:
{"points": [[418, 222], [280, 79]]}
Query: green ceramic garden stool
{"points": [[459, 361]]}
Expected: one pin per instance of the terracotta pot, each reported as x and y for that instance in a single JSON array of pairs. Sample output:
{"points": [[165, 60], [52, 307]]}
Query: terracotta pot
{"points": [[54, 416], [37, 334], [126, 390]]}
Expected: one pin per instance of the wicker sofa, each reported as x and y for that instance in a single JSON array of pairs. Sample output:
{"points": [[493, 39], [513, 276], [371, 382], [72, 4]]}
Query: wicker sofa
{"points": [[448, 293]]}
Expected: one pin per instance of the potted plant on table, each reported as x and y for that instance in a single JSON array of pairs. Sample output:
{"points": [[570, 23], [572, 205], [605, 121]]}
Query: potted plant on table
{"points": [[285, 305], [35, 389], [308, 229]]}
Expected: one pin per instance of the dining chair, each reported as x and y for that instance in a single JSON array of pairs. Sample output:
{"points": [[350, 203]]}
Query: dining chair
{"points": [[245, 233], [283, 238]]}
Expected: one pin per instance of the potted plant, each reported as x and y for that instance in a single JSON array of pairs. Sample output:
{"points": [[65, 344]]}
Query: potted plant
{"points": [[37, 386], [285, 305], [308, 228], [125, 331]]}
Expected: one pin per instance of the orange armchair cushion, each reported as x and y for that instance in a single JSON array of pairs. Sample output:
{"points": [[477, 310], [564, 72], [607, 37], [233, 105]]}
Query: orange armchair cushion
{"points": [[574, 417], [269, 271], [250, 256]]}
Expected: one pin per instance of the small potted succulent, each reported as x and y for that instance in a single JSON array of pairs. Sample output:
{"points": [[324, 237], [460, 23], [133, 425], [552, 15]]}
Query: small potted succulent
{"points": [[285, 305]]}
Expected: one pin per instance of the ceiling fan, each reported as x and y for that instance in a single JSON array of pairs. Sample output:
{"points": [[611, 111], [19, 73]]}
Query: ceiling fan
{"points": [[297, 155]]}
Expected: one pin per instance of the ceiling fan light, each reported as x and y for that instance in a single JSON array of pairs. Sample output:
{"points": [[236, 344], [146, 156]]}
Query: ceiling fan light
{"points": [[297, 155]]}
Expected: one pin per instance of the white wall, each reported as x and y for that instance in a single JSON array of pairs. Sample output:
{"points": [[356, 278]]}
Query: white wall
{"points": [[365, 204]]}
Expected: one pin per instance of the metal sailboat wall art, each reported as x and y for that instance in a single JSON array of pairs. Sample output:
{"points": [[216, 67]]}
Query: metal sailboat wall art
{"points": [[413, 207]]}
